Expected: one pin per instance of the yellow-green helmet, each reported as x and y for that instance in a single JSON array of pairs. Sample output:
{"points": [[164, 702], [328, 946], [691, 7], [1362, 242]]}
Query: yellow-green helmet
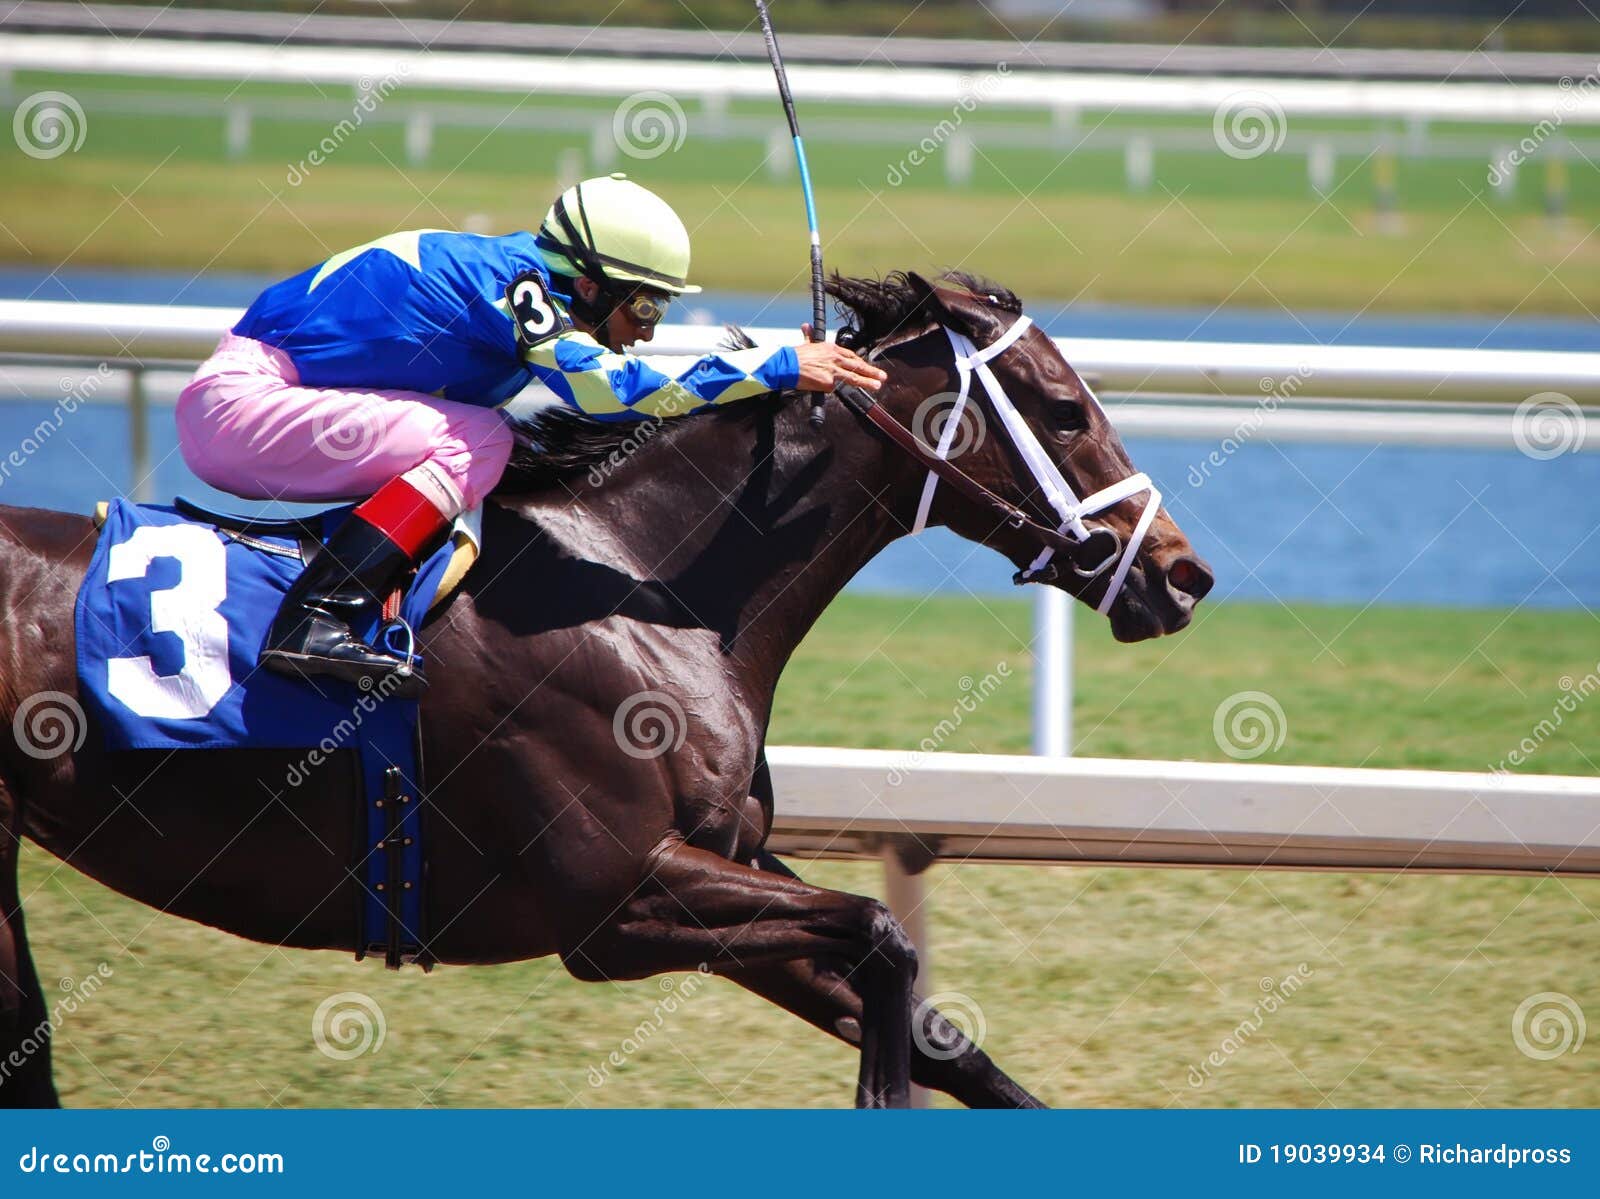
{"points": [[612, 227]]}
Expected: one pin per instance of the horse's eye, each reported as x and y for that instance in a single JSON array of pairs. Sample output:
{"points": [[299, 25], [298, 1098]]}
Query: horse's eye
{"points": [[1067, 415]]}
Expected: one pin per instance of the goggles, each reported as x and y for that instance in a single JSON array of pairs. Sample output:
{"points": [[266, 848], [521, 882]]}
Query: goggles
{"points": [[646, 307]]}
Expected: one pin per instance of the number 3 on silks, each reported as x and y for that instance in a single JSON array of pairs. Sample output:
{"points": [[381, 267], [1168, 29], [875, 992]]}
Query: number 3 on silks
{"points": [[533, 311], [189, 610]]}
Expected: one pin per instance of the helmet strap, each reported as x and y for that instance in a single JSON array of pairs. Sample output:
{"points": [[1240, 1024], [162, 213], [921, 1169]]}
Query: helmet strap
{"points": [[597, 312]]}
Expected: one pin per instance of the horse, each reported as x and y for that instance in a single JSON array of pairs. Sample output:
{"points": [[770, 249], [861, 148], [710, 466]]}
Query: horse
{"points": [[684, 561]]}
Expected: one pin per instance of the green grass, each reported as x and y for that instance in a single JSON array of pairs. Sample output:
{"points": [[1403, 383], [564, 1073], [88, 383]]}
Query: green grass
{"points": [[157, 193], [1097, 986]]}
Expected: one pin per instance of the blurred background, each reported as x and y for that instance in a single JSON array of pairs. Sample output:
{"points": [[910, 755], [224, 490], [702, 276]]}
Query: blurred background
{"points": [[1262, 191]]}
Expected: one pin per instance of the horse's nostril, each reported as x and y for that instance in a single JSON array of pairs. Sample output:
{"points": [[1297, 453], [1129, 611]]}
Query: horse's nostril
{"points": [[1190, 577]]}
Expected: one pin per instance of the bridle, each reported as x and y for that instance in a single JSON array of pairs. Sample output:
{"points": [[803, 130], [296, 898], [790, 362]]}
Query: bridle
{"points": [[1074, 539]]}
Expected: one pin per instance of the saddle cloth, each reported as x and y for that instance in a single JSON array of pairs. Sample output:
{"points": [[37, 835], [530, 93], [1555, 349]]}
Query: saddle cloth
{"points": [[170, 620]]}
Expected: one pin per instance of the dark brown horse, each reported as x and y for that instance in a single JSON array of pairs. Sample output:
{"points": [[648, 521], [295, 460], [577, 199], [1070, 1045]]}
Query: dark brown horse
{"points": [[692, 570]]}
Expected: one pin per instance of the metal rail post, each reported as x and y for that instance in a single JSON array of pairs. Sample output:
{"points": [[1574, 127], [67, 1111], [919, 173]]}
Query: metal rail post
{"points": [[903, 864], [139, 436], [1052, 673]]}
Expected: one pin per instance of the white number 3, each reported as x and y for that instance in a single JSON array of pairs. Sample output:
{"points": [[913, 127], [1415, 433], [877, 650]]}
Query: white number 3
{"points": [[188, 609], [536, 316]]}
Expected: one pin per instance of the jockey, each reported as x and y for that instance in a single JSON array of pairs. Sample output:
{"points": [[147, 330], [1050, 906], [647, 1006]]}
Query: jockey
{"points": [[382, 375]]}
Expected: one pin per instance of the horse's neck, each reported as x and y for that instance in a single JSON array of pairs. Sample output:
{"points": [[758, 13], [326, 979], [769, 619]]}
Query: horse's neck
{"points": [[747, 523]]}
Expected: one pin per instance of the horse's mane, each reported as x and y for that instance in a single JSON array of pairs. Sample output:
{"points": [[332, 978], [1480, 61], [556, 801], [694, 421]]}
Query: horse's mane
{"points": [[559, 443]]}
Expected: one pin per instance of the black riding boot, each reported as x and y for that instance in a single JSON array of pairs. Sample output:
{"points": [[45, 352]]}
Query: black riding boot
{"points": [[341, 590]]}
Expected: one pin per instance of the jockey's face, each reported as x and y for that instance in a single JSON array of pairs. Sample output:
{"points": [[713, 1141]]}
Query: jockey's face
{"points": [[623, 327]]}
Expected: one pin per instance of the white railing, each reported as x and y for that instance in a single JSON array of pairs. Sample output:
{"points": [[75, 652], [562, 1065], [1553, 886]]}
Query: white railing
{"points": [[951, 807], [911, 810], [580, 74], [1291, 375]]}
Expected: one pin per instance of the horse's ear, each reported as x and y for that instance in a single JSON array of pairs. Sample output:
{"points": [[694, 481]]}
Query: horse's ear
{"points": [[935, 302], [931, 301], [927, 293]]}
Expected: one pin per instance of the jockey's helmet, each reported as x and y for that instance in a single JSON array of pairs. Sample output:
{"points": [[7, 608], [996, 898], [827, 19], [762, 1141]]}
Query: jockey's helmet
{"points": [[619, 234]]}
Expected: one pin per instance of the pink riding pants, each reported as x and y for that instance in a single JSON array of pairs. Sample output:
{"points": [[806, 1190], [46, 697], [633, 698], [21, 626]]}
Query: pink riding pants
{"points": [[247, 426]]}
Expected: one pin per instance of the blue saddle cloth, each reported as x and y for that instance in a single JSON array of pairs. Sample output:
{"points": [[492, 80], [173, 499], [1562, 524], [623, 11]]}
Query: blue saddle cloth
{"points": [[170, 620]]}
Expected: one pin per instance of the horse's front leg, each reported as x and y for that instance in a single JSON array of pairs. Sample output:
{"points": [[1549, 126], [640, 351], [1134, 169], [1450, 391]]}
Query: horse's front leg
{"points": [[823, 992], [695, 908]]}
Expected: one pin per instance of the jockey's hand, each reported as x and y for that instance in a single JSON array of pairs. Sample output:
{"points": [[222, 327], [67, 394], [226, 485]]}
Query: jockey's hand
{"points": [[823, 365]]}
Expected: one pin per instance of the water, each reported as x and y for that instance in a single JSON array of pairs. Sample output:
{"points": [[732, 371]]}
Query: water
{"points": [[1345, 524], [1332, 523]]}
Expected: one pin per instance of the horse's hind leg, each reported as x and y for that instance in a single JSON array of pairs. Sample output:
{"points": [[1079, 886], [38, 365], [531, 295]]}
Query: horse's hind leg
{"points": [[697, 909], [823, 992], [25, 1078]]}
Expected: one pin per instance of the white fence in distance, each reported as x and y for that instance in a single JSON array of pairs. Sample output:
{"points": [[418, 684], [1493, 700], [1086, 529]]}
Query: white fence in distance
{"points": [[577, 74]]}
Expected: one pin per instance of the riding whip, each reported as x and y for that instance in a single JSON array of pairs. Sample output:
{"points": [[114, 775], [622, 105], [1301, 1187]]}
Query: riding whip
{"points": [[819, 310]]}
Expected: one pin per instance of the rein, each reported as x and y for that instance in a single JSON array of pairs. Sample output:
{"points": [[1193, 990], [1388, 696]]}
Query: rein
{"points": [[1073, 538]]}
